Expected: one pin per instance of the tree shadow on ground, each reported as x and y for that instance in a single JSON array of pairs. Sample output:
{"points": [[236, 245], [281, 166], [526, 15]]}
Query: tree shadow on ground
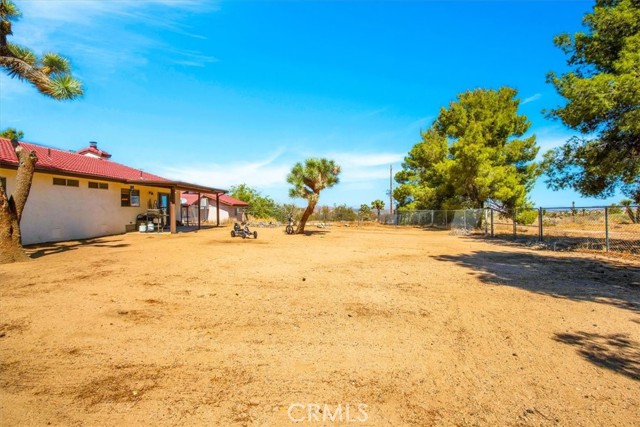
{"points": [[576, 278], [315, 232], [615, 352], [45, 249]]}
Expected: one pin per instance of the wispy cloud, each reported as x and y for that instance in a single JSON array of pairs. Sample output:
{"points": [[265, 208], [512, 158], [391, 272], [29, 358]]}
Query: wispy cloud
{"points": [[364, 160], [82, 11], [549, 138], [531, 99], [13, 88], [193, 59], [369, 114], [101, 35], [421, 122]]}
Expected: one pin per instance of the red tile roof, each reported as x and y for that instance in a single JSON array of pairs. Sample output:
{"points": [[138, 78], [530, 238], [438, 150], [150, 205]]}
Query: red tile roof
{"points": [[54, 160], [224, 199]]}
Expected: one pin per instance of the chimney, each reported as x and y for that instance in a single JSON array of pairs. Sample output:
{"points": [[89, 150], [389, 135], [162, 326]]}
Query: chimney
{"points": [[93, 151]]}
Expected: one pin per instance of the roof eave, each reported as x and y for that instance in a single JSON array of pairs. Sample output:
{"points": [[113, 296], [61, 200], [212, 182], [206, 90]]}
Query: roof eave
{"points": [[178, 185]]}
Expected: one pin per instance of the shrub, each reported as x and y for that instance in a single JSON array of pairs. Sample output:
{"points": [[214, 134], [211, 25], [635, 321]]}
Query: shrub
{"points": [[527, 217]]}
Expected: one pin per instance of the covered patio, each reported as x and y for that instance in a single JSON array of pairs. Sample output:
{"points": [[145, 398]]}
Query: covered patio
{"points": [[174, 188]]}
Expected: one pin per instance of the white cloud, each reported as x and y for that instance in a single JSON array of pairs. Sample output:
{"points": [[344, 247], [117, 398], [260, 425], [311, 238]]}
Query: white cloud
{"points": [[531, 99], [269, 173], [364, 168], [229, 174], [261, 173]]}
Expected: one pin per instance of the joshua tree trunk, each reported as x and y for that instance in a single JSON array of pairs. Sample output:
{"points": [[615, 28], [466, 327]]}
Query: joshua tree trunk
{"points": [[11, 208], [305, 216], [632, 214]]}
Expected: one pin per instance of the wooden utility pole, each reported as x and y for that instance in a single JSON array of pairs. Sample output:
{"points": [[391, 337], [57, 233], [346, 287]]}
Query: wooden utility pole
{"points": [[390, 190]]}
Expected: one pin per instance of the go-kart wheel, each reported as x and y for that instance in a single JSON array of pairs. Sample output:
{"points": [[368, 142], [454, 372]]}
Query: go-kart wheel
{"points": [[255, 234], [244, 235], [233, 233]]}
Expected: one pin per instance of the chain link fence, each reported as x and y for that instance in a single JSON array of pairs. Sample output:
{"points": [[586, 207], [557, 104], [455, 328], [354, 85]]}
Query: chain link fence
{"points": [[607, 229]]}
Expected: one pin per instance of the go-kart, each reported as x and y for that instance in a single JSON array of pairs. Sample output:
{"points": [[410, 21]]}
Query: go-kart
{"points": [[243, 231]]}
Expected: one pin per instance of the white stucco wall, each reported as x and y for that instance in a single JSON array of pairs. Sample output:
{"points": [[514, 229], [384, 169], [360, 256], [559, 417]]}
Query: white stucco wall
{"points": [[58, 213], [227, 213], [224, 214], [208, 215]]}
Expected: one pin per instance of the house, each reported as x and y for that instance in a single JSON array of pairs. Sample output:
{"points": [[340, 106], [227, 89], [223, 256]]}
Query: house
{"points": [[84, 194], [228, 208]]}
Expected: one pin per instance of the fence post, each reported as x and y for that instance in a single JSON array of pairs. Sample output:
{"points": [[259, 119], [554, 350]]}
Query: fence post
{"points": [[540, 229], [486, 229], [464, 213], [446, 219], [492, 234], [606, 229], [515, 231]]}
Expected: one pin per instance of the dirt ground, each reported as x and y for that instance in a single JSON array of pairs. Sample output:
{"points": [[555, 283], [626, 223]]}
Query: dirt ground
{"points": [[367, 326]]}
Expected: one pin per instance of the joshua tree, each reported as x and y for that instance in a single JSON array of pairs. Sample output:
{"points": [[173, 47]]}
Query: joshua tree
{"points": [[308, 180], [378, 205], [365, 211], [634, 216], [51, 75]]}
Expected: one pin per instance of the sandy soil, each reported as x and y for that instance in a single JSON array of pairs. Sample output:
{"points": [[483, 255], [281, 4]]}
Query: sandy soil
{"points": [[343, 327]]}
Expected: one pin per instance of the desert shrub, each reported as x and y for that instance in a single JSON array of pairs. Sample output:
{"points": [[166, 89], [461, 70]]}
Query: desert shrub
{"points": [[615, 209], [527, 217], [344, 213]]}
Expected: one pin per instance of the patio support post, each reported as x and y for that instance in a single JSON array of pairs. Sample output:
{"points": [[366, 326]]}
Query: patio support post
{"points": [[172, 211], [217, 209], [199, 208]]}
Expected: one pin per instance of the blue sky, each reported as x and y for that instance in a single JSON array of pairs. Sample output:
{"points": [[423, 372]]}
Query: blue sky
{"points": [[221, 93]]}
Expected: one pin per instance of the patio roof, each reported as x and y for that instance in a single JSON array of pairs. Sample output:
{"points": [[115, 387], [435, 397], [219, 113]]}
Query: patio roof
{"points": [[178, 185]]}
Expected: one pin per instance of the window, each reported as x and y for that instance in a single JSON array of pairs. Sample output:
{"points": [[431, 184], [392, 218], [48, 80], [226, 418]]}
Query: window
{"points": [[67, 182], [99, 185], [129, 197], [3, 183]]}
